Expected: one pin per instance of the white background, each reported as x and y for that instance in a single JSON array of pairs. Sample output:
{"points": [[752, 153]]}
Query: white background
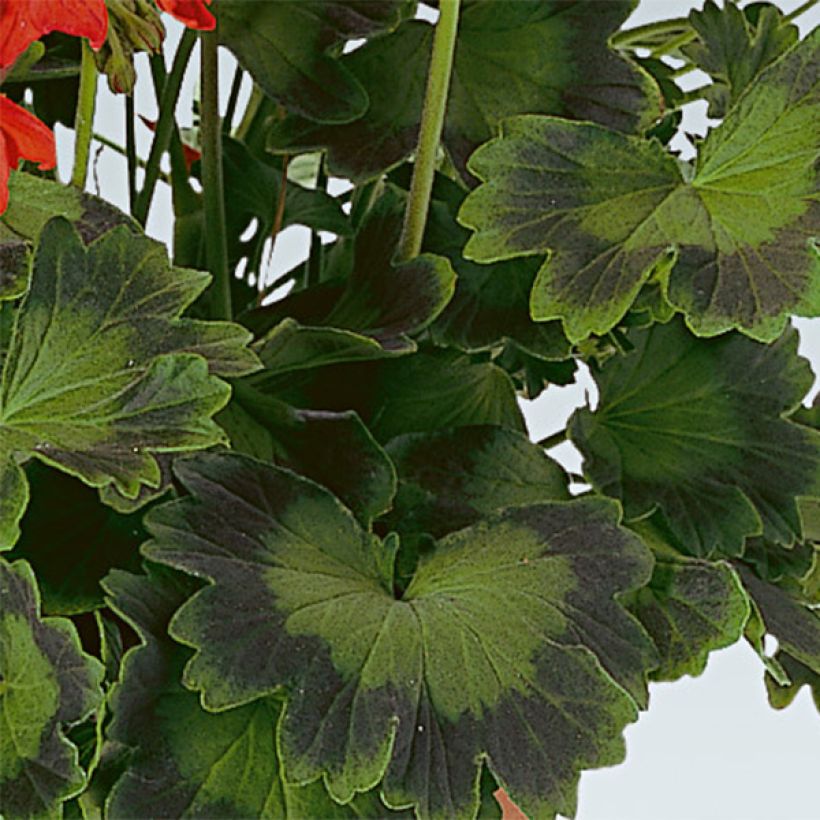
{"points": [[709, 748]]}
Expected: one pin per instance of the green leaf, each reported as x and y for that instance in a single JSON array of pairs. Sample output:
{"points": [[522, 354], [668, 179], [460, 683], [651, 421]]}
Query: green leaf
{"points": [[734, 49], [47, 684], [690, 608], [450, 479], [32, 202], [795, 625], [499, 643], [187, 762], [335, 450], [289, 48], [525, 57], [782, 695], [695, 428], [379, 299], [72, 540], [101, 375], [732, 246]]}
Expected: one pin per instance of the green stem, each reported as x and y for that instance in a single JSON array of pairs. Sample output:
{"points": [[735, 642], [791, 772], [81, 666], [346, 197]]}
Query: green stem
{"points": [[257, 95], [216, 249], [233, 99], [553, 440], [165, 125], [432, 120], [84, 119], [648, 34], [671, 46], [801, 9], [131, 150]]}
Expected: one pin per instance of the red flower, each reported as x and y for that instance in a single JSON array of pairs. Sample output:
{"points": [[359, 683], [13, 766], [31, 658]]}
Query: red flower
{"points": [[191, 12], [24, 21], [22, 136]]}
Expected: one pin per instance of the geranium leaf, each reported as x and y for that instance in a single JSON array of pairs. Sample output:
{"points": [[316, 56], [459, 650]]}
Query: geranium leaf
{"points": [[379, 299], [47, 684], [733, 245], [450, 479], [696, 429], [71, 540], [494, 650], [795, 625], [287, 47], [733, 49], [800, 675], [530, 56], [101, 375], [185, 761], [690, 607], [32, 202], [335, 450]]}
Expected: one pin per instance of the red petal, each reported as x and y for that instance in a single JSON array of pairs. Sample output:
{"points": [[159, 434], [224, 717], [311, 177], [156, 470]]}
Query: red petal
{"points": [[24, 21], [80, 18], [17, 32], [25, 137], [191, 12], [509, 809]]}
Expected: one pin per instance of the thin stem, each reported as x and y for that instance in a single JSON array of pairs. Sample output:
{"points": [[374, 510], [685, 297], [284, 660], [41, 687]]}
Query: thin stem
{"points": [[84, 119], [257, 95], [553, 440], [216, 249], [131, 150], [801, 9], [233, 99], [313, 264], [165, 125], [671, 46], [648, 33], [432, 120]]}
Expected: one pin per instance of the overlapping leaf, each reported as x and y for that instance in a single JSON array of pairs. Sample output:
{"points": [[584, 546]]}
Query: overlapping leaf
{"points": [[47, 683], [733, 245], [101, 375], [690, 607], [187, 762], [797, 629], [378, 299], [734, 46], [530, 56], [496, 647], [288, 48], [696, 429], [450, 479]]}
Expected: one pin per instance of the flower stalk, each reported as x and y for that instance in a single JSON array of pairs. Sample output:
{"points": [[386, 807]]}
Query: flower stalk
{"points": [[432, 122], [84, 118]]}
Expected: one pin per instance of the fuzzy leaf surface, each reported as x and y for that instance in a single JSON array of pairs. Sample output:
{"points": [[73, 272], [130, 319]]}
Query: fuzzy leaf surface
{"points": [[499, 643], [47, 684], [733, 246], [530, 56], [101, 374], [696, 428]]}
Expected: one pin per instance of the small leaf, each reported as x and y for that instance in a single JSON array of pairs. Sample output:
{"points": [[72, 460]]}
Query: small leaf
{"points": [[497, 642], [529, 56], [733, 246], [689, 607], [695, 428], [289, 47], [101, 375], [47, 684], [733, 49], [795, 625]]}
